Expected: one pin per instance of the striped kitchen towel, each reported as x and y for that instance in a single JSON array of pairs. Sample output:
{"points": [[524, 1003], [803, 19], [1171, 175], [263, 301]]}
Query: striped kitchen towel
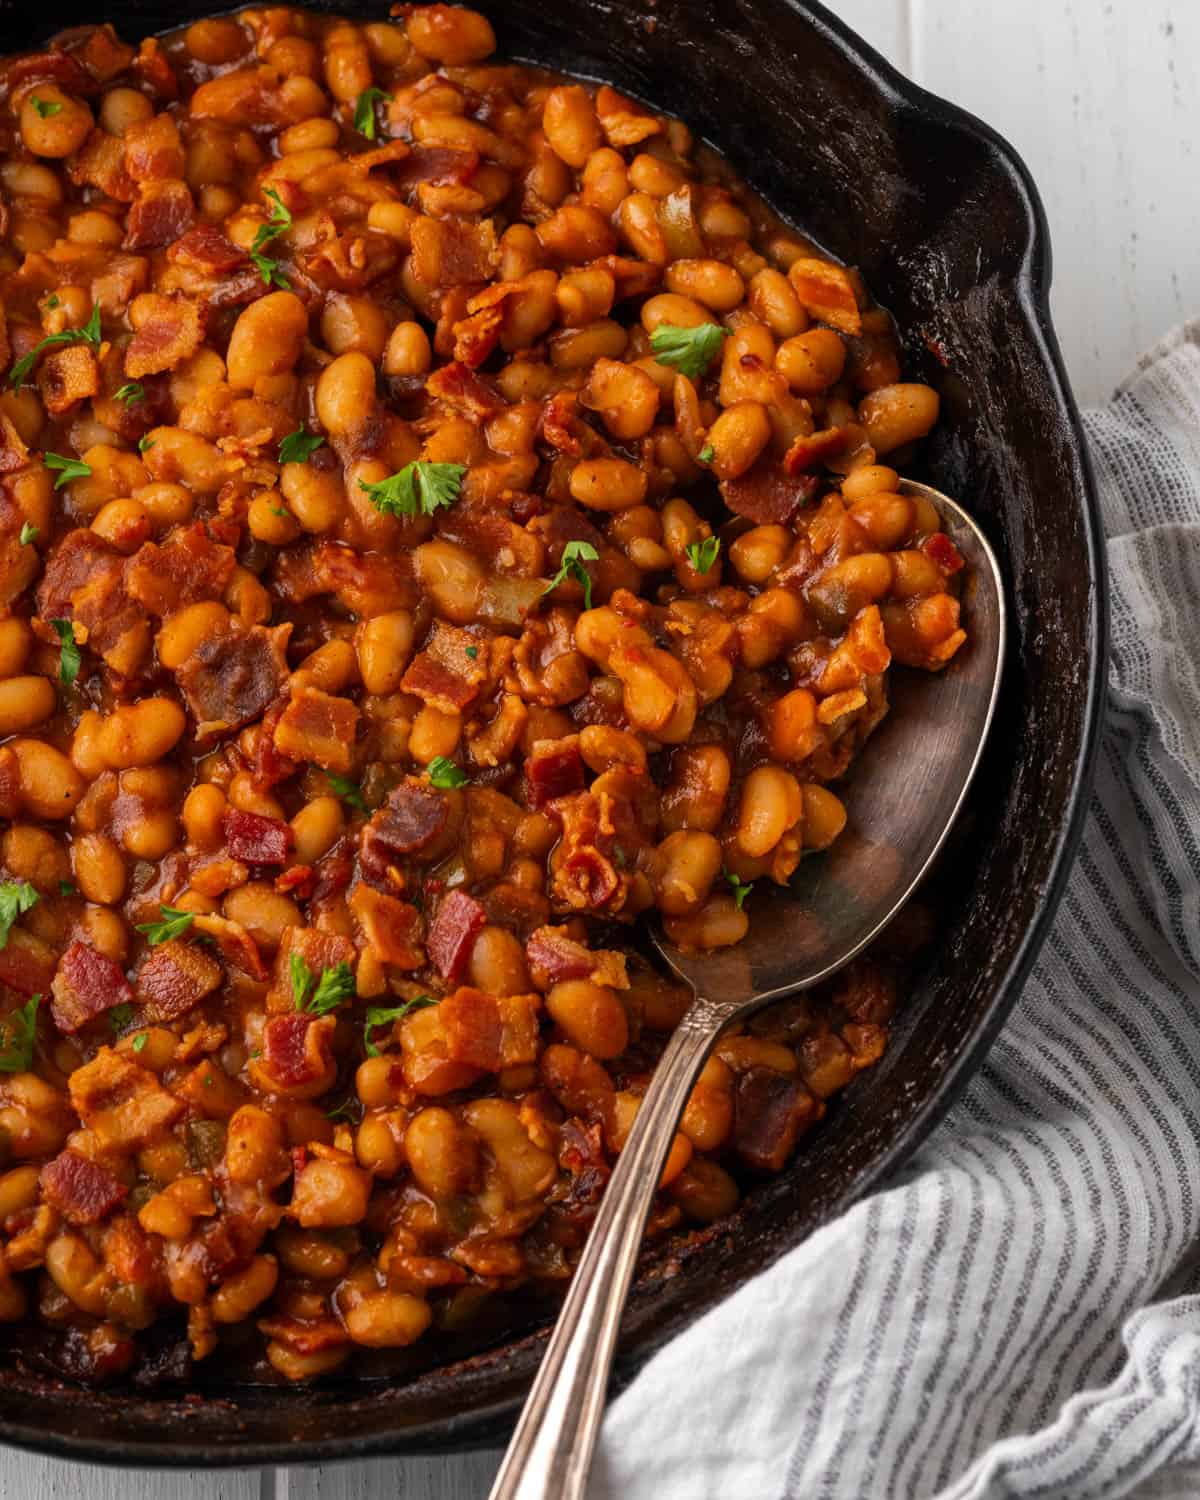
{"points": [[1013, 1314]]}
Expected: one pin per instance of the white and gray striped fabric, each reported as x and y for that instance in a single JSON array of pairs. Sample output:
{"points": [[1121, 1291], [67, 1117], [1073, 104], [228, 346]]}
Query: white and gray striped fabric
{"points": [[1012, 1315]]}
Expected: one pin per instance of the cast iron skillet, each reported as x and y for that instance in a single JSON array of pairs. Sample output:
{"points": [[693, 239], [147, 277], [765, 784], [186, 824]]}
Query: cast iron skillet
{"points": [[945, 223]]}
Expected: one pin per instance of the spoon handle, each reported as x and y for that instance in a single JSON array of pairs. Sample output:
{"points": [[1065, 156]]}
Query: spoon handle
{"points": [[550, 1452]]}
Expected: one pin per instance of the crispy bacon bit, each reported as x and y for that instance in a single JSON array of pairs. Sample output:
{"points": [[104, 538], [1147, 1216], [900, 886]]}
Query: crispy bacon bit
{"points": [[122, 1104], [299, 881], [85, 578], [169, 330], [68, 376], [230, 679], [444, 166], [450, 252], [255, 839], [811, 451], [296, 1052], [554, 768], [461, 389], [60, 67], [81, 1189], [381, 156], [370, 585], [553, 955], [86, 984], [100, 163], [14, 454], [162, 211], [204, 248], [175, 978], [768, 496], [318, 727], [351, 261], [152, 67], [623, 123], [490, 1032], [562, 426], [444, 675], [391, 927], [827, 293], [153, 149], [475, 337], [453, 933], [413, 816], [586, 880], [319, 950], [771, 1110], [189, 568], [26, 964], [939, 549], [119, 282]]}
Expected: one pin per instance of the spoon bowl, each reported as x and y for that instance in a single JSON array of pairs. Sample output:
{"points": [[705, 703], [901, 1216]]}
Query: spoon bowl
{"points": [[905, 792]]}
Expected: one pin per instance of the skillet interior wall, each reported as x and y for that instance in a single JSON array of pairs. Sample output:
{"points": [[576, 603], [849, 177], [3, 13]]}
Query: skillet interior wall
{"points": [[940, 224]]}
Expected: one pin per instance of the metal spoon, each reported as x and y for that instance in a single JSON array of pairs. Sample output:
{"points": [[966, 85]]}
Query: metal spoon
{"points": [[906, 789]]}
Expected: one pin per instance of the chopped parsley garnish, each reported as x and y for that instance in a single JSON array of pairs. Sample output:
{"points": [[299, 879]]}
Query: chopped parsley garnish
{"points": [[120, 1018], [69, 468], [706, 454], [444, 774], [571, 565], [418, 489], [140, 1041], [281, 511], [473, 652], [320, 996], [741, 889], [52, 300], [688, 350], [174, 924], [384, 1015], [45, 107], [703, 554], [88, 334], [299, 446], [19, 1035], [69, 659], [133, 391], [16, 898], [347, 790], [29, 533], [346, 1110], [65, 888], [364, 111], [145, 443], [279, 223]]}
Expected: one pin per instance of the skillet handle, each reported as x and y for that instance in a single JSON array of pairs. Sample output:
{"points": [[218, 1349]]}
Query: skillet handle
{"points": [[550, 1452]]}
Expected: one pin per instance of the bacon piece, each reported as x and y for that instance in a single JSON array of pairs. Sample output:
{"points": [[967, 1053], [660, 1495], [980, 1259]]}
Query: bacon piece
{"points": [[490, 1032], [152, 67], [461, 389], [153, 149], [14, 454], [296, 1053], [305, 1336], [191, 567], [826, 293], [453, 933], [86, 984], [57, 66], [368, 586], [554, 768], [174, 979], [319, 950], [169, 330], [444, 675], [68, 376], [443, 166], [102, 54], [391, 927], [351, 261], [553, 955], [230, 679], [81, 1189], [120, 280], [122, 1104], [562, 426], [768, 496], [26, 964], [204, 248], [412, 817], [450, 252], [255, 839], [939, 549], [162, 211], [623, 123], [100, 163], [810, 451], [318, 727], [771, 1110], [475, 337], [100, 600]]}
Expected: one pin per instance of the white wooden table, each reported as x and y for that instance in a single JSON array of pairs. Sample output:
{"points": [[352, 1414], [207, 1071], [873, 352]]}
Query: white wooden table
{"points": [[1102, 98]]}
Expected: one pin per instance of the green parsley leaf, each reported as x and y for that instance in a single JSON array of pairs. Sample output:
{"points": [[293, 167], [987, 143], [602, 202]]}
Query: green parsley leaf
{"points": [[140, 1041], [65, 888], [346, 1110], [279, 223], [302, 978], [444, 774], [384, 1015], [69, 468], [19, 1036], [52, 300], [16, 898], [174, 924], [133, 391], [299, 446], [29, 534], [45, 107], [688, 350], [334, 986], [69, 659], [706, 454], [281, 511], [703, 554], [145, 443], [88, 334], [418, 489], [364, 111], [473, 652], [741, 889], [571, 565], [347, 790], [120, 1017]]}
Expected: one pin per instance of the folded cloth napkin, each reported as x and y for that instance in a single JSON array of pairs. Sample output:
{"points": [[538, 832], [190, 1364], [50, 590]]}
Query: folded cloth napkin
{"points": [[1010, 1315]]}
